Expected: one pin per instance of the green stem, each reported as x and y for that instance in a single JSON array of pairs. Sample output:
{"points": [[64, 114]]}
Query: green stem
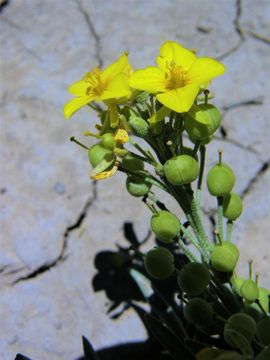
{"points": [[78, 143], [187, 251], [229, 230], [194, 241], [220, 217], [202, 164]]}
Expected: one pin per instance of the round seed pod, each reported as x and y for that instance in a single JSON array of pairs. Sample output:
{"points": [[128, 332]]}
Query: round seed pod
{"points": [[242, 324], [232, 206], [263, 331], [165, 226], [264, 299], [137, 186], [264, 354], [224, 257], [97, 153], [198, 312], [138, 126], [181, 169], [254, 313], [159, 263], [131, 163], [249, 290], [193, 278], [203, 141], [108, 141], [203, 123], [220, 180]]}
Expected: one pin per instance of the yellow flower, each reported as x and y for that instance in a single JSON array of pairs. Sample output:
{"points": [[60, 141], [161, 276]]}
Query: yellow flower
{"points": [[100, 85], [178, 77]]}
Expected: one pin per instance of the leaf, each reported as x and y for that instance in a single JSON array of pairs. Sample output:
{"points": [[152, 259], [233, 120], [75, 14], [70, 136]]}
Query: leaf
{"points": [[21, 357], [89, 352], [167, 339], [217, 354]]}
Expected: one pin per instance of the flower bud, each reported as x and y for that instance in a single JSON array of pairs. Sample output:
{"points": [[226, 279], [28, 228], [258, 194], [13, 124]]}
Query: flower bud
{"points": [[108, 141], [203, 122], [249, 290], [242, 324], [224, 256], [220, 180], [137, 186], [159, 263], [198, 312], [193, 278], [232, 206], [165, 226], [181, 169], [131, 163], [263, 331], [97, 153], [138, 126]]}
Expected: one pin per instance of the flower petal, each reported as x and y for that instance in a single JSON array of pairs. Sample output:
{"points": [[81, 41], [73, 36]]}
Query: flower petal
{"points": [[171, 51], [150, 79], [179, 100], [118, 87], [78, 88], [75, 104], [205, 69], [115, 68]]}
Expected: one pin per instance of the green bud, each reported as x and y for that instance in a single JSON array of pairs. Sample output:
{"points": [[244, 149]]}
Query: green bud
{"points": [[108, 141], [165, 226], [198, 312], [138, 126], [240, 323], [193, 278], [224, 256], [202, 122], [220, 180], [97, 153], [181, 169], [249, 290], [159, 263], [131, 163], [232, 206], [263, 331], [137, 186]]}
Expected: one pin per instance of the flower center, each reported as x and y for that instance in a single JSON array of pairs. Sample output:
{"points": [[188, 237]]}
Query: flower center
{"points": [[176, 76], [96, 86]]}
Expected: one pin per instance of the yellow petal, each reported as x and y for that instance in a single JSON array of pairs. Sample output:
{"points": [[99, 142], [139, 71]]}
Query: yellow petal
{"points": [[106, 174], [121, 136], [179, 100], [171, 51], [204, 69], [116, 88], [150, 79], [75, 104], [78, 88], [115, 68]]}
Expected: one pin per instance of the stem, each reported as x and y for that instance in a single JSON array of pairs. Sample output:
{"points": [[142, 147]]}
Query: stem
{"points": [[229, 230], [220, 217], [78, 143], [187, 252], [194, 241], [196, 148], [202, 164]]}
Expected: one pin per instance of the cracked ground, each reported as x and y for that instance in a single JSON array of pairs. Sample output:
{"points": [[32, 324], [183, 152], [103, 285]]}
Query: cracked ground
{"points": [[53, 218]]}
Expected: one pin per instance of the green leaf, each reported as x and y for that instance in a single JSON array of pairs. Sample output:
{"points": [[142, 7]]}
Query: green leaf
{"points": [[103, 165], [89, 352], [217, 354], [167, 339]]}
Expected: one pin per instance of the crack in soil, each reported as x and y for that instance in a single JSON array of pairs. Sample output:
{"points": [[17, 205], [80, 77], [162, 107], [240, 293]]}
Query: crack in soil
{"points": [[62, 255], [93, 32]]}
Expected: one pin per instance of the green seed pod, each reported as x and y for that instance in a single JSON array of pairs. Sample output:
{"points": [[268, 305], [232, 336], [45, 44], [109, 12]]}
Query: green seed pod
{"points": [[198, 312], [203, 141], [193, 278], [224, 257], [220, 180], [242, 324], [264, 299], [138, 126], [264, 354], [232, 206], [203, 122], [181, 169], [249, 290], [137, 186], [159, 263], [156, 128], [131, 163], [165, 226], [97, 153], [263, 331], [254, 313], [108, 141]]}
